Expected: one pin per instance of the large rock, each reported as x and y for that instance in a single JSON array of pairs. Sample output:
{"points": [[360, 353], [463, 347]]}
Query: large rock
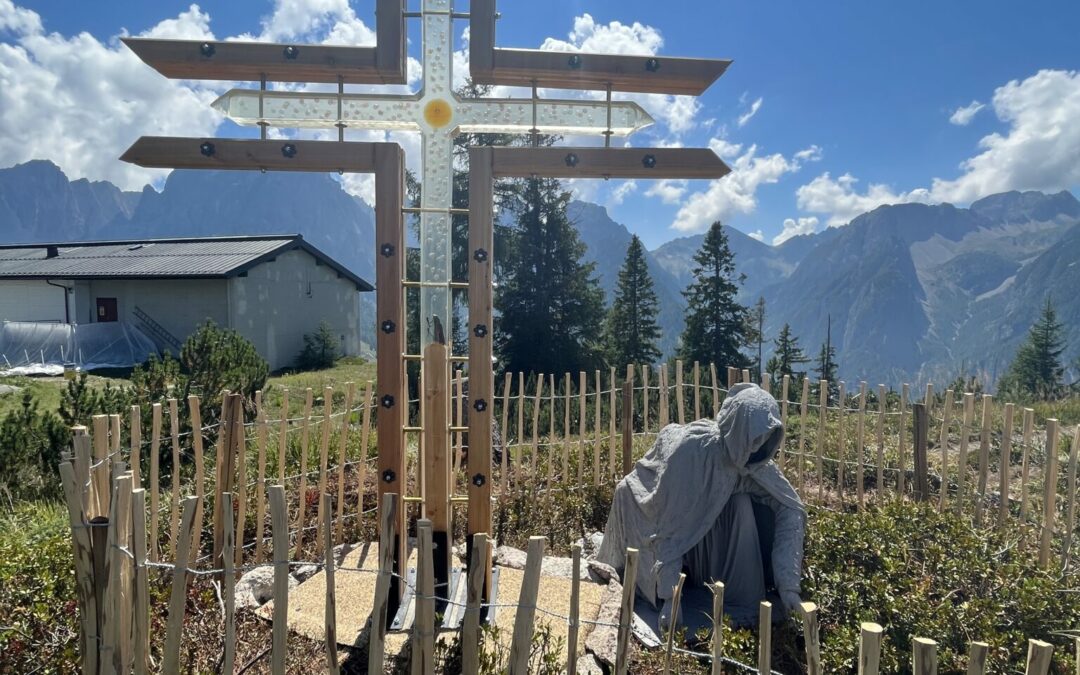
{"points": [[563, 568], [257, 587], [603, 640]]}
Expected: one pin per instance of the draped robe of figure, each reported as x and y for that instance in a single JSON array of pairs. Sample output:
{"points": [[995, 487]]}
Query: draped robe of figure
{"points": [[708, 499]]}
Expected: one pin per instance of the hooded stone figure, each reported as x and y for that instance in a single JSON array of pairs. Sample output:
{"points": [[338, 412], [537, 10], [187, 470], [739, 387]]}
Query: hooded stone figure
{"points": [[708, 499]]}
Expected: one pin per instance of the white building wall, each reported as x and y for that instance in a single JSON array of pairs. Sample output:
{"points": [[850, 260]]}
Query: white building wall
{"points": [[31, 300], [178, 305], [281, 300]]}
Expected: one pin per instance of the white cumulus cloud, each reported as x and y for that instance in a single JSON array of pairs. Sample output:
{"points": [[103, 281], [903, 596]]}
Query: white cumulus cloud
{"points": [[793, 227], [756, 234], [962, 116]]}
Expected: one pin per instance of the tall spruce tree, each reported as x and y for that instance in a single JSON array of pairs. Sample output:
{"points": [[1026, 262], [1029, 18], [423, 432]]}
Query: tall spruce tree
{"points": [[715, 322], [550, 304], [630, 329], [787, 355], [1037, 368]]}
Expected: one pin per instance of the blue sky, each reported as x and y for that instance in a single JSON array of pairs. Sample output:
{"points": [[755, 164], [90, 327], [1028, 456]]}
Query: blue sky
{"points": [[854, 103]]}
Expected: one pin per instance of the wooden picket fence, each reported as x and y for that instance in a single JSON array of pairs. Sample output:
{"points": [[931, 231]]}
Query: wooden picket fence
{"points": [[841, 450]]}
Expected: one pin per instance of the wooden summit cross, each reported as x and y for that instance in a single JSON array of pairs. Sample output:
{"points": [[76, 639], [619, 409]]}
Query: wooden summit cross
{"points": [[439, 115]]}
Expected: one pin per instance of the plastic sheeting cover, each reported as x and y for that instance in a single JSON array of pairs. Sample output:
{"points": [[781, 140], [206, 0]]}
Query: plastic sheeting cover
{"points": [[39, 348]]}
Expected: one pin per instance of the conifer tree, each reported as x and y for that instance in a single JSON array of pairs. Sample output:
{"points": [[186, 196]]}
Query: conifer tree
{"points": [[787, 355], [1037, 368], [826, 363], [631, 331], [715, 321], [550, 305]]}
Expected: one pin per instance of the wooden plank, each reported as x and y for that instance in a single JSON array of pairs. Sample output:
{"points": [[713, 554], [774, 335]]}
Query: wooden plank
{"points": [[155, 484], [550, 452], [819, 439], [423, 631], [141, 610], [869, 648], [901, 480], [680, 406], [585, 162], [174, 512], [508, 378], [228, 588], [812, 637], [881, 445], [783, 416], [977, 658], [84, 568], [676, 601], [1050, 478], [178, 599], [260, 477], [645, 398], [946, 424], [458, 420], [82, 451], [804, 405], [717, 666], [301, 500], [766, 383], [100, 471], [715, 389], [1070, 499], [984, 456], [665, 404], [746, 376], [613, 441], [481, 376], [324, 462], [195, 414], [343, 443], [860, 445], [583, 385], [1005, 468], [1039, 655], [124, 591], [841, 441], [436, 455], [1029, 429], [765, 637], [135, 435], [524, 619], [520, 439], [566, 428], [732, 377], [389, 535], [470, 626], [283, 434], [921, 428], [250, 61], [554, 70], [597, 409], [533, 457], [253, 154], [279, 531], [239, 488], [223, 475], [697, 390], [923, 656], [627, 428], [365, 432], [962, 455], [573, 624], [626, 611]]}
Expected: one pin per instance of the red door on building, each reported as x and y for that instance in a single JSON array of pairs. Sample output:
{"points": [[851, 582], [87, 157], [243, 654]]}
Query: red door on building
{"points": [[106, 310]]}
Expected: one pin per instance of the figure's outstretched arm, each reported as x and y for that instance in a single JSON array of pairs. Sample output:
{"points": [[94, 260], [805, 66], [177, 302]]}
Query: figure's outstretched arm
{"points": [[787, 550]]}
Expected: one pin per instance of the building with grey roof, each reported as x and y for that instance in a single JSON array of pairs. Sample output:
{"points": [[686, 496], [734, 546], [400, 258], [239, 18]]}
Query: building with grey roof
{"points": [[271, 289]]}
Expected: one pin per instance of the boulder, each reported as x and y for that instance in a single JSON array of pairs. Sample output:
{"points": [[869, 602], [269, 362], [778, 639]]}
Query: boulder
{"points": [[601, 573], [603, 640], [304, 572], [508, 556], [256, 587]]}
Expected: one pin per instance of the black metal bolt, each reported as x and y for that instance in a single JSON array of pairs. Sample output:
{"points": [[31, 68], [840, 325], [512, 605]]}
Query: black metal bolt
{"points": [[386, 250], [288, 151], [648, 161], [652, 65], [388, 326], [571, 160], [480, 330], [388, 401], [389, 476], [207, 49], [291, 52], [574, 61], [478, 480], [480, 405], [207, 149], [479, 255]]}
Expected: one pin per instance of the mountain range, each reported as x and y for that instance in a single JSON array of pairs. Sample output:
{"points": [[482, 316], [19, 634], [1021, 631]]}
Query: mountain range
{"points": [[908, 292]]}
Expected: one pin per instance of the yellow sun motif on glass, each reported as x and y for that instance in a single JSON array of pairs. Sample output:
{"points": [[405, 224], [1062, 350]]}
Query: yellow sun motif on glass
{"points": [[438, 112]]}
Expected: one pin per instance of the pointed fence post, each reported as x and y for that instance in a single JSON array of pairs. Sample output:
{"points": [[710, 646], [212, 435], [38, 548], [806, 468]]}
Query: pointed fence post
{"points": [[178, 598], [279, 531], [470, 627], [626, 612], [673, 628], [717, 629], [920, 429], [84, 568], [521, 645], [574, 623]]}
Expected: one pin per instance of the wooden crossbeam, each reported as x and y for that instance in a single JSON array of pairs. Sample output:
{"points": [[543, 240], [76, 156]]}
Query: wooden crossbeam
{"points": [[564, 162], [489, 64], [220, 60], [272, 155]]}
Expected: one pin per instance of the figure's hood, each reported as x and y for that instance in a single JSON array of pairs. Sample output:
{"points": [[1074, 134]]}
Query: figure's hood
{"points": [[749, 422]]}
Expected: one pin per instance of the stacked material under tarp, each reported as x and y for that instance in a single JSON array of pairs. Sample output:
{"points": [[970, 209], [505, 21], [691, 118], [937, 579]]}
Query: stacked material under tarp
{"points": [[37, 348]]}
